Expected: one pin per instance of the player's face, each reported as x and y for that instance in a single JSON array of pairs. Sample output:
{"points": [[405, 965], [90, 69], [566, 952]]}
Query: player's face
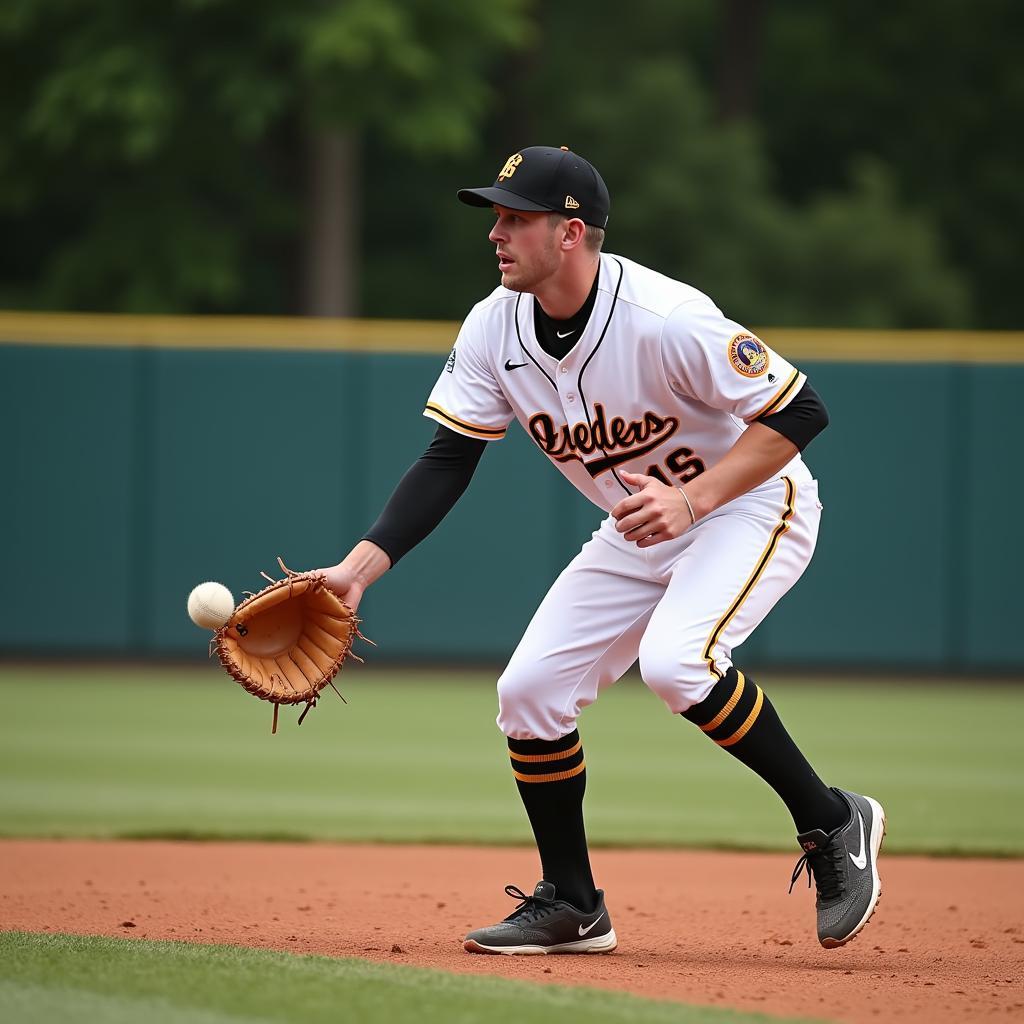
{"points": [[527, 248]]}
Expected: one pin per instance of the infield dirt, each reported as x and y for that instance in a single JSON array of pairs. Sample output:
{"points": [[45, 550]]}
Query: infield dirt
{"points": [[946, 944]]}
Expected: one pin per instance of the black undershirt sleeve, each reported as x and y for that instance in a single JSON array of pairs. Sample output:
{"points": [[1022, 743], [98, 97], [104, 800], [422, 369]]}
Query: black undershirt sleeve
{"points": [[803, 418], [427, 492]]}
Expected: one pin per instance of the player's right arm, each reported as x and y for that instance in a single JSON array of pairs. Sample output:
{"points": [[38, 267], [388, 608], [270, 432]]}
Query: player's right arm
{"points": [[424, 496], [470, 410]]}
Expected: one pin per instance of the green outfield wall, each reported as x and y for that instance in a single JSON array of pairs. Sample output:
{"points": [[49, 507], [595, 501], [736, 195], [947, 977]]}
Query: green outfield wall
{"points": [[145, 454]]}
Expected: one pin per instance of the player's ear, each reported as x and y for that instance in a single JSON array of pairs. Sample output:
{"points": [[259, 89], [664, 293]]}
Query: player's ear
{"points": [[575, 231]]}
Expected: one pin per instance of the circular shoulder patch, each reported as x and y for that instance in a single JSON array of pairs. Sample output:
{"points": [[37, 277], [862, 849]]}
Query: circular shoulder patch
{"points": [[748, 355]]}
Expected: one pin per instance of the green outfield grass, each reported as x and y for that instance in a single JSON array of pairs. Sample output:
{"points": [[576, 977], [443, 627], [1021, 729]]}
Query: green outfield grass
{"points": [[416, 756], [58, 978]]}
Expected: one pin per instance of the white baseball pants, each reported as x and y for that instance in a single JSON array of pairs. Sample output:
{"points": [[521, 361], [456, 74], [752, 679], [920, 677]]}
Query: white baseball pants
{"points": [[680, 607]]}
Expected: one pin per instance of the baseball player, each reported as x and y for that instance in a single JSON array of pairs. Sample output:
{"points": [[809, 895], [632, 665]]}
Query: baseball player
{"points": [[685, 429]]}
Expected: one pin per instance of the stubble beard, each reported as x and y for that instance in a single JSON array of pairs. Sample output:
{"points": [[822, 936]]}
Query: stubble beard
{"points": [[527, 277]]}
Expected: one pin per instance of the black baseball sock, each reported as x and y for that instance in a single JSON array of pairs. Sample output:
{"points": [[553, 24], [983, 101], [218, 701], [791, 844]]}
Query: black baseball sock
{"points": [[552, 778], [739, 717]]}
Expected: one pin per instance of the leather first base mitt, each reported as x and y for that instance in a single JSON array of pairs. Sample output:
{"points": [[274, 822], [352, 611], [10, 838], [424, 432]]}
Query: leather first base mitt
{"points": [[286, 643]]}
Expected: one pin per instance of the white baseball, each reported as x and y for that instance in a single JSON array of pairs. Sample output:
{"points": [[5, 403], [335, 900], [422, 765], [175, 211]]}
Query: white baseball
{"points": [[210, 605]]}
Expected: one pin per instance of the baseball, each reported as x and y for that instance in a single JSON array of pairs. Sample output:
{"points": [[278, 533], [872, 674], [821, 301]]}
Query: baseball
{"points": [[210, 605]]}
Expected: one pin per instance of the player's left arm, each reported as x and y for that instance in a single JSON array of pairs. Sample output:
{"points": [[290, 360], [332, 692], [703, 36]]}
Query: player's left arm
{"points": [[779, 431], [658, 512]]}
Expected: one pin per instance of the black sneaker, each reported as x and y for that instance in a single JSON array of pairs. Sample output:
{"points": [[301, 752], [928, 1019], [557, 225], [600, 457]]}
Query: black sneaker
{"points": [[542, 923], [845, 868]]}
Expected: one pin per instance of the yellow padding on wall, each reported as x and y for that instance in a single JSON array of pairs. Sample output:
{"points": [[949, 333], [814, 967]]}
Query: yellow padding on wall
{"points": [[301, 334], [112, 330]]}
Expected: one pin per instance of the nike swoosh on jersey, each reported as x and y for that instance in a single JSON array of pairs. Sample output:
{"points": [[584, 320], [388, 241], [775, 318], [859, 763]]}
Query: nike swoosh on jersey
{"points": [[509, 365], [566, 335], [583, 931], [862, 858]]}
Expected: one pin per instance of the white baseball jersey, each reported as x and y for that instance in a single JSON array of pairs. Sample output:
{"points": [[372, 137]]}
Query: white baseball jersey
{"points": [[659, 382]]}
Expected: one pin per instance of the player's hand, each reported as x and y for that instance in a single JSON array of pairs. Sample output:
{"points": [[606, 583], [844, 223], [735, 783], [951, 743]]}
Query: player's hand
{"points": [[345, 583], [654, 514], [363, 565]]}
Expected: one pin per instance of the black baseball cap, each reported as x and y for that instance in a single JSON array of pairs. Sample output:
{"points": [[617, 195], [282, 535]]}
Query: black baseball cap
{"points": [[545, 178]]}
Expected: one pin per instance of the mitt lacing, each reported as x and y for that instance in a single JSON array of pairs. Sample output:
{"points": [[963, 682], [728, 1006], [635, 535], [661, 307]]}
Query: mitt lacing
{"points": [[827, 866], [292, 576], [532, 908]]}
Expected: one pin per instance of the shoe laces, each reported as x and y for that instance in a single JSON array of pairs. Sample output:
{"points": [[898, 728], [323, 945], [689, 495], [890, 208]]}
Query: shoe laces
{"points": [[531, 909], [827, 867]]}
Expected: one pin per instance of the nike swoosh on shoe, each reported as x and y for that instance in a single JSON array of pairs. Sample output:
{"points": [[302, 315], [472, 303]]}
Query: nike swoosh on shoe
{"points": [[861, 859], [583, 931]]}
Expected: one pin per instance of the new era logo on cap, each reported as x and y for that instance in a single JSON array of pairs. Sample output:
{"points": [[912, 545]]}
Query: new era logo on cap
{"points": [[543, 178]]}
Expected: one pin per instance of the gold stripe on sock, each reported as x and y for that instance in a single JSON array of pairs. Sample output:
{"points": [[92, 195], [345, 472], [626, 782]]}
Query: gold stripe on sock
{"points": [[729, 705], [552, 776], [745, 727], [535, 758]]}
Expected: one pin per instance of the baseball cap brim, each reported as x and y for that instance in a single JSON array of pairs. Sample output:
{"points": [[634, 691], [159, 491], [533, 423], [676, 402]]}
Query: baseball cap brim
{"points": [[487, 197]]}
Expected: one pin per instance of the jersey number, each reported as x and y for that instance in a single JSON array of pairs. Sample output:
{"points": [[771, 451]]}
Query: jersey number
{"points": [[681, 463]]}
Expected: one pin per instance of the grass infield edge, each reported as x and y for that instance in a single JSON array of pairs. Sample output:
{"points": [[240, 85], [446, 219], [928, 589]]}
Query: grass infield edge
{"points": [[348, 971]]}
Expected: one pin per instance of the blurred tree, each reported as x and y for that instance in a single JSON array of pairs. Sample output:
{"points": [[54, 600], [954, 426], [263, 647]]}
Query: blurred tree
{"points": [[697, 198], [167, 158], [739, 56], [691, 196], [804, 163], [934, 91]]}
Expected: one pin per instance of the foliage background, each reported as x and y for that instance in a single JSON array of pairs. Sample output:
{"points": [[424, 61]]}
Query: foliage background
{"points": [[804, 163]]}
